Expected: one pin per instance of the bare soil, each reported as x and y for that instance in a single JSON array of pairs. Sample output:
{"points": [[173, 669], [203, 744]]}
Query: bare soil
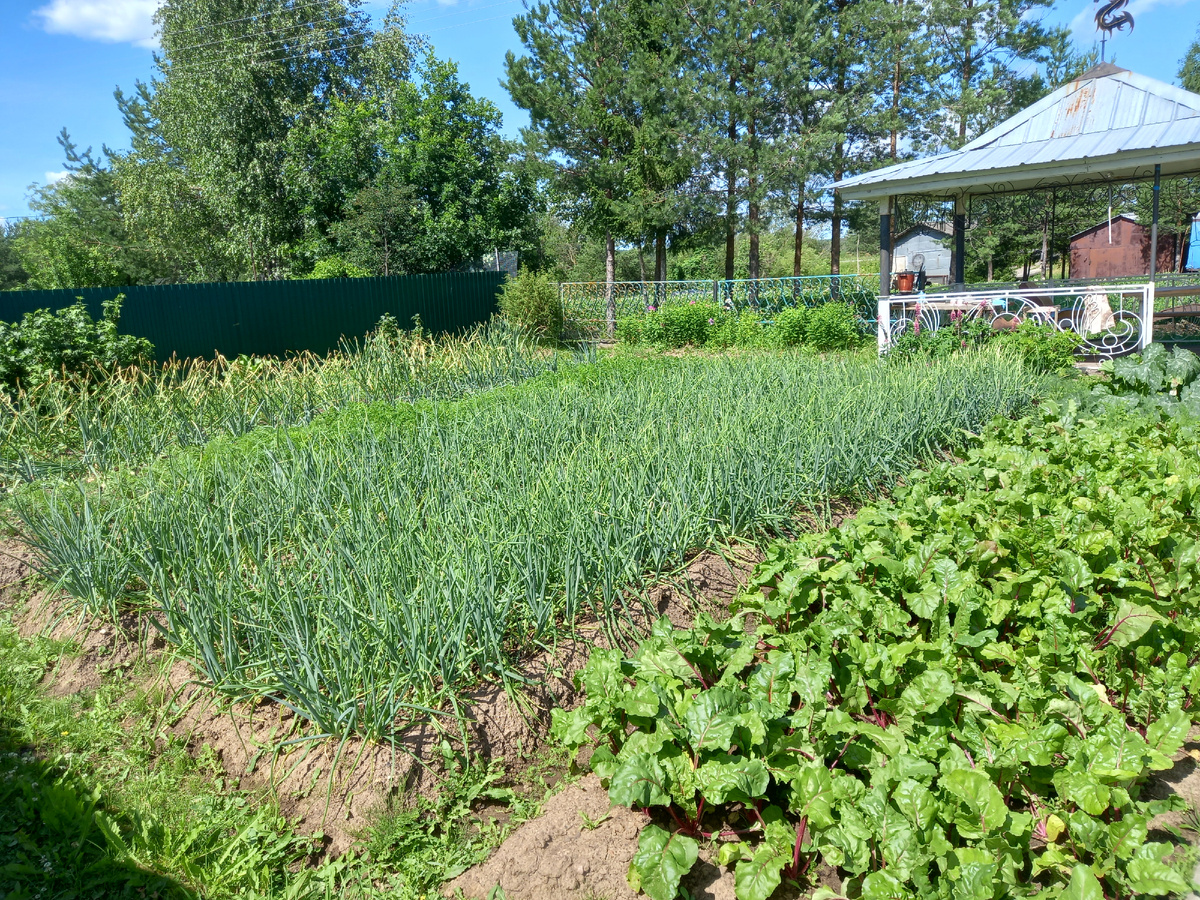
{"points": [[324, 786]]}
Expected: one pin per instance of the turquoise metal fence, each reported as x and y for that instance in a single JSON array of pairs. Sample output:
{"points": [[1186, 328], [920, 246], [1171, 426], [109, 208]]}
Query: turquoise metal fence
{"points": [[275, 318], [585, 304]]}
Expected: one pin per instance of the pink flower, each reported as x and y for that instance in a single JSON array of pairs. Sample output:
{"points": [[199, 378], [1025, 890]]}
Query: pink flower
{"points": [[710, 321], [649, 309], [691, 303]]}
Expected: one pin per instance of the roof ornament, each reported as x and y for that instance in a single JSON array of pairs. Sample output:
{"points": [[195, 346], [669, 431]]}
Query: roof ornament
{"points": [[1108, 20]]}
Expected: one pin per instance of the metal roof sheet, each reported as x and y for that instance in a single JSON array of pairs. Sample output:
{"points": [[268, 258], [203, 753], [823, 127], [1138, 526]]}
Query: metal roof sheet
{"points": [[1108, 124]]}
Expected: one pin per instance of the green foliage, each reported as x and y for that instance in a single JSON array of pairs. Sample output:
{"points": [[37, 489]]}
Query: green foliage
{"points": [[791, 325], [57, 428], [537, 502], [1043, 348], [45, 345], [977, 677], [80, 238], [832, 326], [1154, 381], [12, 274], [531, 300], [1189, 68], [336, 267]]}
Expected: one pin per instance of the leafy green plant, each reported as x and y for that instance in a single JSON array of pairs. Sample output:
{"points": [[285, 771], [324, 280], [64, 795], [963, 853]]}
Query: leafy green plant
{"points": [[967, 686], [832, 326], [67, 343], [791, 326], [531, 300], [337, 267], [1043, 348]]}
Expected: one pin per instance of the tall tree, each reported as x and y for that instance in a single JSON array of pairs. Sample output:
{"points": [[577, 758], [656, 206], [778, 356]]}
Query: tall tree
{"points": [[1189, 68], [12, 274], [977, 46], [80, 239], [234, 77], [575, 81]]}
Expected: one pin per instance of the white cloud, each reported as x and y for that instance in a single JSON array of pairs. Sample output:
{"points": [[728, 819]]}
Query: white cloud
{"points": [[112, 21], [52, 177], [1083, 26]]}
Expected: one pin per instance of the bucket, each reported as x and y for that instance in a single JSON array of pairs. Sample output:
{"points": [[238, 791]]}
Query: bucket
{"points": [[904, 282]]}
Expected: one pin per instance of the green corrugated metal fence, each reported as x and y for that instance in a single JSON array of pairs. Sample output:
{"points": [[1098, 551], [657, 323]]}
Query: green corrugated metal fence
{"points": [[274, 318]]}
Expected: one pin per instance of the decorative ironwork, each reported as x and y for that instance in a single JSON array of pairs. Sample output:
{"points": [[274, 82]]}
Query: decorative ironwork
{"points": [[1109, 20], [1110, 320]]}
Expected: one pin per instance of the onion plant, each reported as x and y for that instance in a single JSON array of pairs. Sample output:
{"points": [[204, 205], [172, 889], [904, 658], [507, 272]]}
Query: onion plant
{"points": [[75, 425], [370, 567]]}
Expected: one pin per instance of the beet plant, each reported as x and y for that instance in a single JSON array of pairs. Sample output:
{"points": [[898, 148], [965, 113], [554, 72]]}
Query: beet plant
{"points": [[959, 693]]}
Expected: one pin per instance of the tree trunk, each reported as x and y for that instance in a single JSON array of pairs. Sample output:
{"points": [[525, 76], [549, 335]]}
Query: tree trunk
{"points": [[610, 276], [798, 255], [731, 191], [753, 211], [1045, 250], [989, 268], [968, 43], [642, 260], [835, 234], [730, 220], [660, 256]]}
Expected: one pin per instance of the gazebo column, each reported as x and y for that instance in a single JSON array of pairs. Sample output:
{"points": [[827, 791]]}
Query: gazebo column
{"points": [[1154, 223], [883, 314], [1148, 302], [960, 240]]}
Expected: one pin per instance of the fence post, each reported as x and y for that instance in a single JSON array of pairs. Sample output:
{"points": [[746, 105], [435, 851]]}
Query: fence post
{"points": [[1147, 335], [716, 292], [883, 324]]}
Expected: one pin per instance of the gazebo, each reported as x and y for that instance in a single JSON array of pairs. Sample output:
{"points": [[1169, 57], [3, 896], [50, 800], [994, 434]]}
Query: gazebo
{"points": [[1109, 126]]}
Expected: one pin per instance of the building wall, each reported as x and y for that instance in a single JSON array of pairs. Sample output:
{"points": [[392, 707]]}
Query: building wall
{"points": [[1092, 256], [937, 256]]}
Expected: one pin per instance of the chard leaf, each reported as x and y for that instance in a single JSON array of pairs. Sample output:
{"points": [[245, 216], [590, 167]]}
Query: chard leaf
{"points": [[711, 719], [661, 861], [758, 878], [1129, 624], [916, 802], [1156, 878], [1083, 885], [927, 692], [639, 780], [733, 779], [1167, 733]]}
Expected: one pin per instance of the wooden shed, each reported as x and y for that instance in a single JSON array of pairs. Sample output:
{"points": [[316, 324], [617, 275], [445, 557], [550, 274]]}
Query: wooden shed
{"points": [[929, 241], [1099, 252]]}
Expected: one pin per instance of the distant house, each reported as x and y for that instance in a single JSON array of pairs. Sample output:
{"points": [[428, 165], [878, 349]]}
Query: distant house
{"points": [[1123, 249], [928, 241]]}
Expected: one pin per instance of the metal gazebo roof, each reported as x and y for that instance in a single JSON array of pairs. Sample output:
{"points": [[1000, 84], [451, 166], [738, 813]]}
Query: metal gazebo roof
{"points": [[1109, 124]]}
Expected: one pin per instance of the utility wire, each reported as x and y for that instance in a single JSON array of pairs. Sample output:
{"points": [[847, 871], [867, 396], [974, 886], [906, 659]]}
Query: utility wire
{"points": [[255, 16]]}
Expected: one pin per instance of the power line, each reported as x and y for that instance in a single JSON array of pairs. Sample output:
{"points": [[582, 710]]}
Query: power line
{"points": [[248, 18], [246, 37]]}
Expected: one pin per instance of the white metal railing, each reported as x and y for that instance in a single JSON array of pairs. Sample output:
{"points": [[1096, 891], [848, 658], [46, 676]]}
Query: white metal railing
{"points": [[1110, 319]]}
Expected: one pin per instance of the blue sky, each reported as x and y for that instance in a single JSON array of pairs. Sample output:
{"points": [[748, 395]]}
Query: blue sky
{"points": [[61, 60]]}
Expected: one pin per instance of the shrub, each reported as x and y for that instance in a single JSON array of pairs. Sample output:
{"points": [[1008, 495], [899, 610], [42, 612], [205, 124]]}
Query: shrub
{"points": [[45, 344], [630, 329], [531, 300], [1045, 349], [336, 267], [791, 325], [832, 327]]}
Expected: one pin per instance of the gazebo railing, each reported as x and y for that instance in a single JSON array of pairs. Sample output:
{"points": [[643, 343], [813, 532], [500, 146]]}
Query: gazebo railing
{"points": [[1109, 319]]}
